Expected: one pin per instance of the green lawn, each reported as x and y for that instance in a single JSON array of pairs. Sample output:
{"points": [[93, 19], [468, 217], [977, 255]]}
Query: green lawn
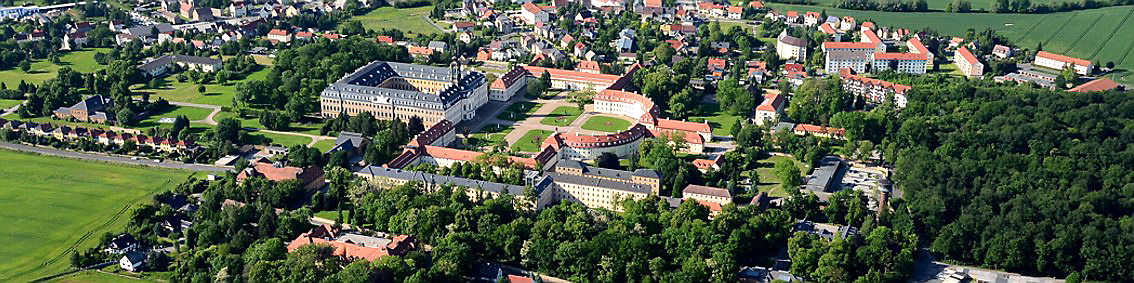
{"points": [[518, 111], [9, 103], [606, 124], [720, 121], [1101, 35], [215, 94], [51, 205], [332, 214], [562, 116], [488, 135], [409, 20], [280, 139], [41, 70], [531, 141], [96, 277], [769, 182], [254, 122], [324, 145]]}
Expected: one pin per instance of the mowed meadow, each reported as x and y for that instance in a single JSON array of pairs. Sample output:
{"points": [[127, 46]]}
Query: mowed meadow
{"points": [[1100, 35], [50, 206]]}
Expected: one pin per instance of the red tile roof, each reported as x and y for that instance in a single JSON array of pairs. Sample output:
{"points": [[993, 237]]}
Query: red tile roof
{"points": [[1063, 58], [384, 39], [587, 65], [918, 46], [868, 35], [735, 9], [792, 14], [816, 129], [532, 8], [684, 126], [1100, 84], [278, 32], [560, 74], [826, 28], [654, 3], [968, 56], [420, 50], [848, 74], [756, 4], [899, 56], [849, 45], [772, 101]]}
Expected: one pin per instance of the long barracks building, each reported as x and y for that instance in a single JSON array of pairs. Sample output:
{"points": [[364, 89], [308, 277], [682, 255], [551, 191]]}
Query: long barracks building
{"points": [[391, 90]]}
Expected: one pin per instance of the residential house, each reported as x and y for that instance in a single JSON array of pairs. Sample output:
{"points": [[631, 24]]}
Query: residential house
{"points": [[789, 47], [968, 63], [811, 18], [93, 109], [532, 14], [770, 108], [132, 261], [874, 91], [279, 35], [1001, 51]]}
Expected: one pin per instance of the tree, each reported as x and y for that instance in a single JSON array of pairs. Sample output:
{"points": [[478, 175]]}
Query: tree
{"points": [[735, 98], [817, 100], [201, 89], [790, 176], [664, 53], [608, 160], [228, 130], [25, 66]]}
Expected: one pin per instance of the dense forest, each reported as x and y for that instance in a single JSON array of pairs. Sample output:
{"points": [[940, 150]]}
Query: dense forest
{"points": [[1021, 179]]}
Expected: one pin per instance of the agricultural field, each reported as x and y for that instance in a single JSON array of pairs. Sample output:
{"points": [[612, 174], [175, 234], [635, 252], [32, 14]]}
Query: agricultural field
{"points": [[562, 116], [41, 70], [75, 202], [531, 141], [409, 20], [606, 124], [1100, 35]]}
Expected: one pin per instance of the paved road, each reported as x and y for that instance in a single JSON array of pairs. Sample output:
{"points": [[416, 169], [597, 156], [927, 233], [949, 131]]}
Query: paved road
{"points": [[112, 158]]}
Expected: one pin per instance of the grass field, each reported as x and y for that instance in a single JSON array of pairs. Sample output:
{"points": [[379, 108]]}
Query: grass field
{"points": [[531, 141], [50, 205], [324, 145], [9, 103], [718, 120], [562, 116], [215, 94], [606, 124], [489, 135], [97, 277], [280, 139], [518, 111], [769, 182], [409, 20], [41, 70], [1102, 35]]}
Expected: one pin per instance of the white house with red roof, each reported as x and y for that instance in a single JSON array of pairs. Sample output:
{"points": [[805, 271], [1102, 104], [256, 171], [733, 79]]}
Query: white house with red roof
{"points": [[848, 23], [968, 63], [1058, 62], [770, 109], [532, 14], [791, 17], [279, 35], [735, 12], [811, 18]]}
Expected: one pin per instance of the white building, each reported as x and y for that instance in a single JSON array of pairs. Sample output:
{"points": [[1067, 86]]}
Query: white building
{"points": [[788, 47], [770, 109], [968, 63], [1058, 62], [854, 55], [532, 14]]}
